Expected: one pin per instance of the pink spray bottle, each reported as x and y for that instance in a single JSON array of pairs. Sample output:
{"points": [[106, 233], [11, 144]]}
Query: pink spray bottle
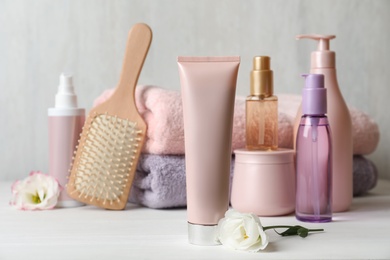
{"points": [[65, 125]]}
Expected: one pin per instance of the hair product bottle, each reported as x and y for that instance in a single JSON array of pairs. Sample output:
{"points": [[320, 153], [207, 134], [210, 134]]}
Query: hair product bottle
{"points": [[323, 61], [65, 125], [261, 108], [313, 154]]}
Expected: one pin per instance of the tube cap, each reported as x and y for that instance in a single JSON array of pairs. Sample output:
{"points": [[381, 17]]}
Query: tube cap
{"points": [[314, 95], [203, 235], [262, 77]]}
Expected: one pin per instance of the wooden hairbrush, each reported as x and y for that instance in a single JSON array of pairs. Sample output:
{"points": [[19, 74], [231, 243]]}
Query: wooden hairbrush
{"points": [[113, 135]]}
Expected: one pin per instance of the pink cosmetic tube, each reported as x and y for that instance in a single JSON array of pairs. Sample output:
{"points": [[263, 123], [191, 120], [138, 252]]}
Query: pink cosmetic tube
{"points": [[208, 86]]}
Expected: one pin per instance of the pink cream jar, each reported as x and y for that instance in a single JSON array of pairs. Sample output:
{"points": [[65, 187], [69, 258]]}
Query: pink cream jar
{"points": [[264, 182]]}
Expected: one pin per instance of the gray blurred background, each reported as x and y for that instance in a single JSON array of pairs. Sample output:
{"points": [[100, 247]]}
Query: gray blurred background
{"points": [[39, 39]]}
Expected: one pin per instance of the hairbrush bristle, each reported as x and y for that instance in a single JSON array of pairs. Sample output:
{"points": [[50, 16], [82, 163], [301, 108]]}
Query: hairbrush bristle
{"points": [[106, 158]]}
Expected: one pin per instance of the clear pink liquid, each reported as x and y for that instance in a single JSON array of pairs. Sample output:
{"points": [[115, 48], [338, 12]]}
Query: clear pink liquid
{"points": [[262, 123], [314, 170]]}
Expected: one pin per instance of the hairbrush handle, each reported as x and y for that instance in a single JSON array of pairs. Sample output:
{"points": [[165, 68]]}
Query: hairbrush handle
{"points": [[138, 43]]}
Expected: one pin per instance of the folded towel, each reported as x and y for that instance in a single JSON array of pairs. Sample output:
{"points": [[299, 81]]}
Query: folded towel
{"points": [[160, 180], [162, 111], [365, 175]]}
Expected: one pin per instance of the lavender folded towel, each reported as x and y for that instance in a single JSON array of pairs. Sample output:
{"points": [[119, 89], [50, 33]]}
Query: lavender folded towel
{"points": [[160, 180], [365, 175]]}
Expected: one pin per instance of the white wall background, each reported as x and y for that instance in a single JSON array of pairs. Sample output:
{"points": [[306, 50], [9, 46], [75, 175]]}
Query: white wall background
{"points": [[39, 39]]}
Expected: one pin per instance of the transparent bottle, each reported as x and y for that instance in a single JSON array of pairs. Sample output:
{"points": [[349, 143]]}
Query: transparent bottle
{"points": [[313, 155], [261, 108]]}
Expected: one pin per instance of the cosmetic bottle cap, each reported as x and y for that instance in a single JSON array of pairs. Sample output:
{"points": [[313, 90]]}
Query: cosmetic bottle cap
{"points": [[203, 235], [262, 77], [66, 97], [323, 57], [314, 95]]}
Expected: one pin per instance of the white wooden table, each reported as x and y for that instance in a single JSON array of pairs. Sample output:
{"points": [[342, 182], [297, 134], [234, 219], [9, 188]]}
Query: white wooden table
{"points": [[142, 233]]}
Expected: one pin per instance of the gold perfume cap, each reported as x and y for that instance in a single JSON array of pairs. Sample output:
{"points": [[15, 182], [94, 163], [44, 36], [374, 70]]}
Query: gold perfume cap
{"points": [[262, 77]]}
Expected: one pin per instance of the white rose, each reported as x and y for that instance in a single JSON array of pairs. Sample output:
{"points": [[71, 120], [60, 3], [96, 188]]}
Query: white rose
{"points": [[37, 191], [242, 232]]}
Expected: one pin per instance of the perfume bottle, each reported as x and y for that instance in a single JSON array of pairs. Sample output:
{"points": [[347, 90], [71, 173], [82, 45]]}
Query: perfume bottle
{"points": [[261, 108], [313, 155]]}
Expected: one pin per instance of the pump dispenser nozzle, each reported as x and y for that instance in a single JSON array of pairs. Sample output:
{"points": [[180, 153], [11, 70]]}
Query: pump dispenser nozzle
{"points": [[262, 77], [65, 97], [323, 40], [323, 57]]}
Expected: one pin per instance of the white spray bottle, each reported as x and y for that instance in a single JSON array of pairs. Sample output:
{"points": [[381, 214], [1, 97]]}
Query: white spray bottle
{"points": [[323, 61], [65, 125]]}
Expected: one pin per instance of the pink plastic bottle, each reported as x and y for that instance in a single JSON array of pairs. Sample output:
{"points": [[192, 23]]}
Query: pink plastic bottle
{"points": [[313, 154], [323, 61], [65, 125]]}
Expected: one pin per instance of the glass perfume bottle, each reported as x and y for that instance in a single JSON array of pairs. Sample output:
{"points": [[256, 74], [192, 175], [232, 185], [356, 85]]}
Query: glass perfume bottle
{"points": [[313, 155], [261, 108]]}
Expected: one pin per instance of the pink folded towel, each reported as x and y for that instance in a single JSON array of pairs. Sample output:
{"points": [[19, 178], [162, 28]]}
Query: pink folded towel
{"points": [[162, 111]]}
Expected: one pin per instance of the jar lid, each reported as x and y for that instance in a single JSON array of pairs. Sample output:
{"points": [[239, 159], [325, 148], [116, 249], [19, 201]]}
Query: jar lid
{"points": [[264, 157]]}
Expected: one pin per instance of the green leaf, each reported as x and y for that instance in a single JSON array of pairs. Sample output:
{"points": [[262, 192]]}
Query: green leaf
{"points": [[293, 231], [303, 232]]}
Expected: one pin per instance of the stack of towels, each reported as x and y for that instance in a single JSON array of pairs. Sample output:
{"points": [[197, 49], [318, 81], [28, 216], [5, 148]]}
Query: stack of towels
{"points": [[160, 180]]}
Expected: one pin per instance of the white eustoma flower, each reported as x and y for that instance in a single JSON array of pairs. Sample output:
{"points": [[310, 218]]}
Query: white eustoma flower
{"points": [[242, 231], [37, 191]]}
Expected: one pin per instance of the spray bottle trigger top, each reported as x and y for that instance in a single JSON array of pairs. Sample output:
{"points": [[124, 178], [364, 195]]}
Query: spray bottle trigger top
{"points": [[66, 97], [66, 84], [323, 57]]}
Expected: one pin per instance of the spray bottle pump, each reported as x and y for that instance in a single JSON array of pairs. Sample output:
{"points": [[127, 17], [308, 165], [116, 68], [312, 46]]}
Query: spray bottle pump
{"points": [[66, 97]]}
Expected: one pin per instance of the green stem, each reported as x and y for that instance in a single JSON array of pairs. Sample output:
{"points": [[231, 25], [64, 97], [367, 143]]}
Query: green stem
{"points": [[316, 230], [274, 227]]}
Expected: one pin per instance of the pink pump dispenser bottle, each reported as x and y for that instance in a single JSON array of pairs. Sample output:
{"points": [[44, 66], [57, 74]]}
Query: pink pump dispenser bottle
{"points": [[313, 155], [323, 61], [65, 125]]}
